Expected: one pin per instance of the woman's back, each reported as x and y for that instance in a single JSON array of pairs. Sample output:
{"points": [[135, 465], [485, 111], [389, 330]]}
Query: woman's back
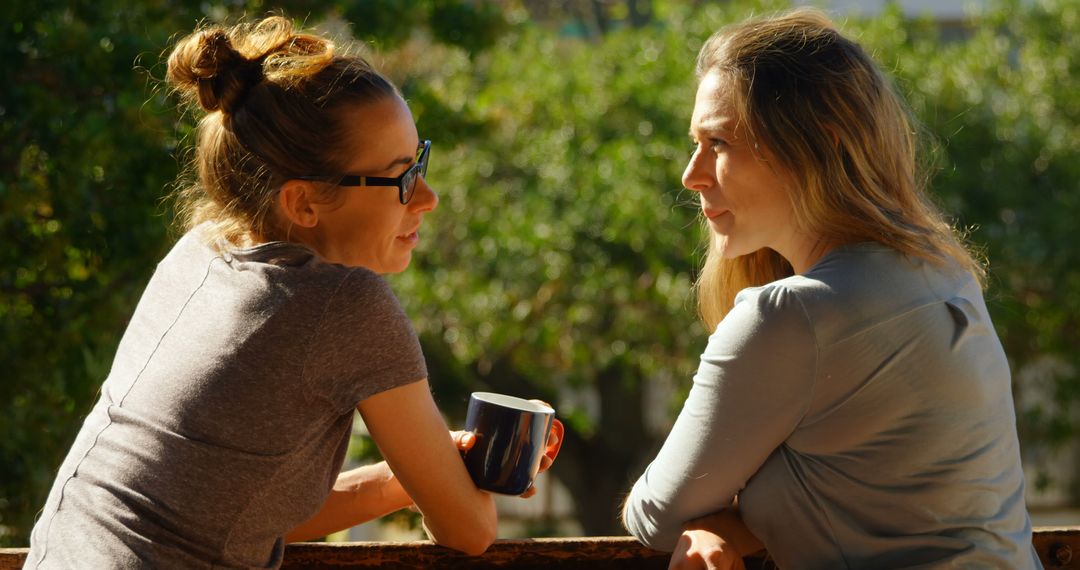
{"points": [[861, 412], [226, 416], [907, 451]]}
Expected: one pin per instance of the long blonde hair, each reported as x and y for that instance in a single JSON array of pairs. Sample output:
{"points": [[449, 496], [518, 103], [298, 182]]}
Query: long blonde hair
{"points": [[833, 121], [273, 99]]}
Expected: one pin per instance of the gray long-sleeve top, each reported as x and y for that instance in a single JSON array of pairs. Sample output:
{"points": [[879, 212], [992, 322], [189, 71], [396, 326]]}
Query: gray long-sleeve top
{"points": [[862, 413]]}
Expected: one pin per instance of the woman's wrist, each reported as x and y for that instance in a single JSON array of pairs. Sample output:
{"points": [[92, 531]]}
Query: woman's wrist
{"points": [[390, 490], [373, 488]]}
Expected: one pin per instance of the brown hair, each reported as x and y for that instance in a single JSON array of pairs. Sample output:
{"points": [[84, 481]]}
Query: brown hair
{"points": [[832, 120], [273, 99]]}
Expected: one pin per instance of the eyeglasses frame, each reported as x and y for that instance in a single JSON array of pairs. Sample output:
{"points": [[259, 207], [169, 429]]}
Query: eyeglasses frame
{"points": [[404, 194]]}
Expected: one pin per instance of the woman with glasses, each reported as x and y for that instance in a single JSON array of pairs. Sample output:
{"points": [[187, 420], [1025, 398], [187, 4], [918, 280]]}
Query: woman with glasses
{"points": [[223, 424], [852, 408]]}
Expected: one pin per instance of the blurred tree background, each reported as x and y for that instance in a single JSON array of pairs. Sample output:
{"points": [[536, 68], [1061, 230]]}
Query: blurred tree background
{"points": [[560, 261]]}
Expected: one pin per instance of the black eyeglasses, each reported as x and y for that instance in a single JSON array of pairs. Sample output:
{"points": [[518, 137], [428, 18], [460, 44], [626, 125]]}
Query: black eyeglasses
{"points": [[406, 183]]}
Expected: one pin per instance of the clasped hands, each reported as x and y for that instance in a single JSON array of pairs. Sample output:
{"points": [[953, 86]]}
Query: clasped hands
{"points": [[714, 542]]}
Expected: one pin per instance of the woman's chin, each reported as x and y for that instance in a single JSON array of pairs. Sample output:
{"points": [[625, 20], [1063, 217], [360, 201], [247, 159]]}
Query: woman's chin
{"points": [[397, 266]]}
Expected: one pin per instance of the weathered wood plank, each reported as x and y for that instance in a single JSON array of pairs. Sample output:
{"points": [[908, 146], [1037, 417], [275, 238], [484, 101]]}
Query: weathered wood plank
{"points": [[569, 553], [12, 558], [1058, 547]]}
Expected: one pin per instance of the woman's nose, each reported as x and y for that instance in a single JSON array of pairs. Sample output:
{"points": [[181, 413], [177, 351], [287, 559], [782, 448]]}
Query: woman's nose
{"points": [[425, 199], [698, 175]]}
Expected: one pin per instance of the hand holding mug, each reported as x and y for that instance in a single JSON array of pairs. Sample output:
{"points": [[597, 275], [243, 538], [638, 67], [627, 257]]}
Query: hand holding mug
{"points": [[463, 440], [514, 440]]}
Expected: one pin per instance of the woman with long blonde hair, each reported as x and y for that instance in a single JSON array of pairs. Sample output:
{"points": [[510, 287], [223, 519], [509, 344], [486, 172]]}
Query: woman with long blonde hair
{"points": [[853, 406]]}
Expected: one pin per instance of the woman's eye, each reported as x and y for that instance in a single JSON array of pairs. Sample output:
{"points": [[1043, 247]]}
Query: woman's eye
{"points": [[717, 144]]}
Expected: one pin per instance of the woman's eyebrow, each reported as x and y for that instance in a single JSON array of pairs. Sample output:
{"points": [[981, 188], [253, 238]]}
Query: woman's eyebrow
{"points": [[399, 160], [709, 127]]}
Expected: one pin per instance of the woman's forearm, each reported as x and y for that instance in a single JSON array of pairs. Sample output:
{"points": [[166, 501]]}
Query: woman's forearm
{"points": [[359, 495]]}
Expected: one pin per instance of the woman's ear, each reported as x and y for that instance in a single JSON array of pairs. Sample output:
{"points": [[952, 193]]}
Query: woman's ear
{"points": [[295, 203]]}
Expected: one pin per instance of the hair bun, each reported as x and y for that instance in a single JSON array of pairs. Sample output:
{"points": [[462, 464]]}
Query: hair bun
{"points": [[219, 66], [207, 66]]}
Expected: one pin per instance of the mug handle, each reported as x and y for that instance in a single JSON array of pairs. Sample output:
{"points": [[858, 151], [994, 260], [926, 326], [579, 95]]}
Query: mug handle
{"points": [[552, 449]]}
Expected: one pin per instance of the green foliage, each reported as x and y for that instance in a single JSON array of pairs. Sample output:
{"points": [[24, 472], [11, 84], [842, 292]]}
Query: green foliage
{"points": [[88, 136], [387, 22], [84, 165], [559, 262], [472, 25]]}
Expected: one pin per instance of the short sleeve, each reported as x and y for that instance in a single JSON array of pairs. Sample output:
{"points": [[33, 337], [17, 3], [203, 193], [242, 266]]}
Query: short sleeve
{"points": [[364, 344], [753, 386]]}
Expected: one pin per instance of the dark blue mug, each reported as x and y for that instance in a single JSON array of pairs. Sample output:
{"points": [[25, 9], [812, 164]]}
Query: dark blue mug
{"points": [[511, 439]]}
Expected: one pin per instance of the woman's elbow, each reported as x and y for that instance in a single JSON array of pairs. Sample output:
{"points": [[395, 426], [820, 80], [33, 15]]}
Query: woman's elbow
{"points": [[648, 525], [635, 530], [473, 544], [473, 541], [473, 537]]}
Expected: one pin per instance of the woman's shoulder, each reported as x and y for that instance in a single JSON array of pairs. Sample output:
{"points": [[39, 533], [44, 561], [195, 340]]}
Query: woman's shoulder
{"points": [[782, 295], [872, 272], [294, 274], [777, 308], [765, 322], [297, 268], [859, 286], [362, 286], [797, 292]]}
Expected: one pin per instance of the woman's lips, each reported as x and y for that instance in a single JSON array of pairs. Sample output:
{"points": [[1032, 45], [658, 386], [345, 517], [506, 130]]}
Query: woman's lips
{"points": [[713, 214], [411, 237]]}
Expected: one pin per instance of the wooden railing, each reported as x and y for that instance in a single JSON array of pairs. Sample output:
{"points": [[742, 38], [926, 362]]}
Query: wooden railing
{"points": [[1058, 547]]}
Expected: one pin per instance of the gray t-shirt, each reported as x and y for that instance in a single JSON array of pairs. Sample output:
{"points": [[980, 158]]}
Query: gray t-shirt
{"points": [[862, 413], [226, 416]]}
